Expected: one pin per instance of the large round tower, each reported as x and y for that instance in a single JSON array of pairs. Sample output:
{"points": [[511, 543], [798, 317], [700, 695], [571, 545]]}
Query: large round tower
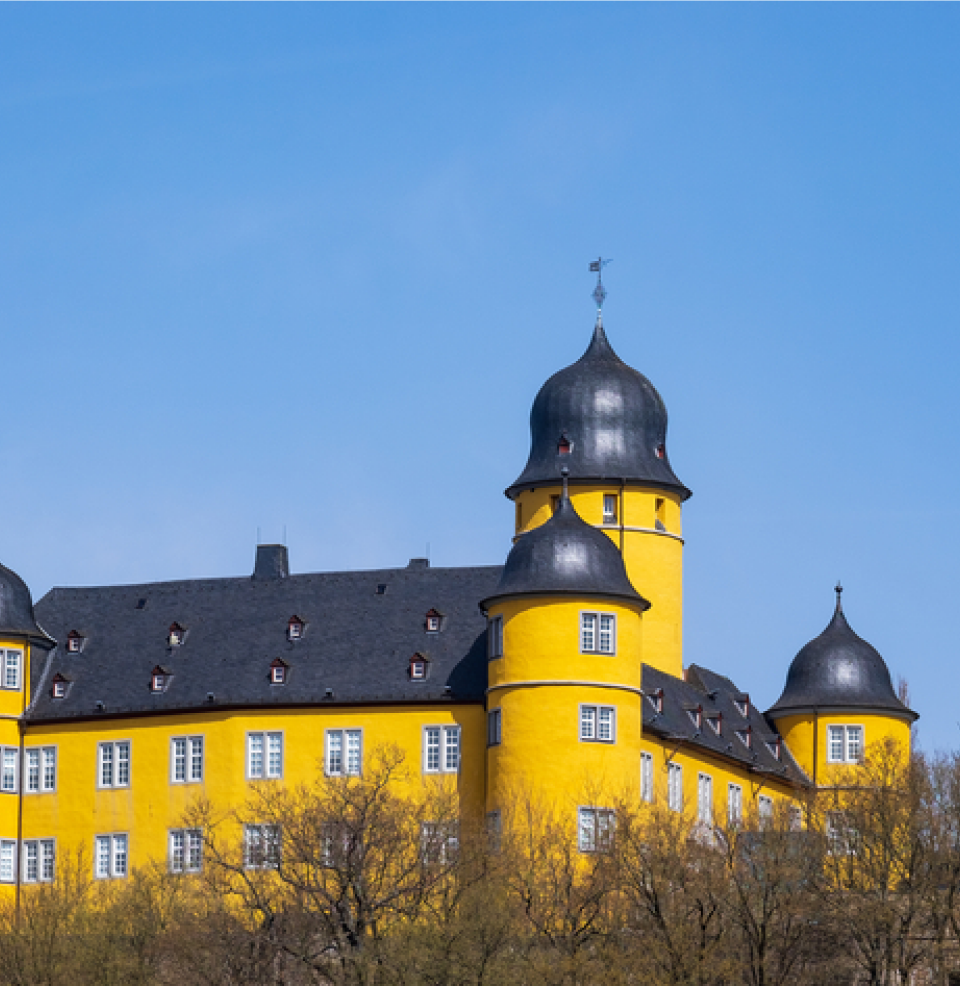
{"points": [[564, 698], [607, 425], [838, 701]]}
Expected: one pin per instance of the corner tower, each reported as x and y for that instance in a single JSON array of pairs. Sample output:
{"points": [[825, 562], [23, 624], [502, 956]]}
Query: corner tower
{"points": [[606, 424]]}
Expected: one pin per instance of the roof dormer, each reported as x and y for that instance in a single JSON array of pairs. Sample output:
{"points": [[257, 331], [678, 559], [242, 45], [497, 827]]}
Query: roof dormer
{"points": [[75, 641], [295, 627], [176, 635], [160, 678], [279, 670], [433, 621], [419, 667], [60, 685]]}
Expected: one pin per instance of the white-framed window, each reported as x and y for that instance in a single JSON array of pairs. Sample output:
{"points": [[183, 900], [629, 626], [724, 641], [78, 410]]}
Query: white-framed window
{"points": [[294, 628], [609, 508], [41, 769], [844, 744], [646, 776], [110, 855], [734, 804], [715, 723], [186, 759], [59, 688], [842, 837], [8, 860], [278, 673], [38, 860], [598, 633], [433, 622], [185, 852], [9, 769], [261, 847], [675, 786], [795, 814], [264, 755], [12, 663], [74, 642], [495, 637], [598, 723], [746, 737], [595, 827], [441, 749], [439, 842], [705, 798], [343, 753], [113, 764], [765, 810], [494, 727]]}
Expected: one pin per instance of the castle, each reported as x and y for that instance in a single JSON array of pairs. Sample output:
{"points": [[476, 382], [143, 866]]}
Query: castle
{"points": [[558, 676]]}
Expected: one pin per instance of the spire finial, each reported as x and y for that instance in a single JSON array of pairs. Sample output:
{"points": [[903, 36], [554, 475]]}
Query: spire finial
{"points": [[599, 292], [565, 473], [838, 589]]}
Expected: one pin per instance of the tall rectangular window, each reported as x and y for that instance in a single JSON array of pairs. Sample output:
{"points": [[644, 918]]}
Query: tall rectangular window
{"points": [[186, 759], [441, 749], [12, 661], [186, 850], [598, 633], [734, 804], [765, 810], [8, 860], [674, 786], [705, 799], [646, 776], [439, 842], [598, 723], [493, 727], [38, 860], [343, 755], [609, 508], [110, 856], [113, 764], [41, 769], [264, 755], [844, 744], [9, 768], [495, 637], [595, 828], [261, 846]]}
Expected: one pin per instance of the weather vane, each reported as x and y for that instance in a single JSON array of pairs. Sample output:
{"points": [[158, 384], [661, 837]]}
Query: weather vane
{"points": [[599, 292]]}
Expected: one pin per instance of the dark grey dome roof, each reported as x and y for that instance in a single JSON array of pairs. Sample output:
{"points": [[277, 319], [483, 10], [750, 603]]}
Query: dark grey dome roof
{"points": [[565, 555], [839, 670], [16, 607], [612, 417]]}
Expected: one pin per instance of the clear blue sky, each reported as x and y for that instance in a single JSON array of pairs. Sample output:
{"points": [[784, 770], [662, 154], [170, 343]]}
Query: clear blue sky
{"points": [[305, 266]]}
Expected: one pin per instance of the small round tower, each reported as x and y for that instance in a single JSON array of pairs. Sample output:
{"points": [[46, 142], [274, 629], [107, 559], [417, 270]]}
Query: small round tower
{"points": [[564, 699], [838, 701]]}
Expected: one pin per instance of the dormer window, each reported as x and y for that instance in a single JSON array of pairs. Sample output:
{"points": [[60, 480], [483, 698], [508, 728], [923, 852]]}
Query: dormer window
{"points": [[175, 635], [746, 737], [655, 698], [743, 705], [434, 619], [278, 671], [418, 667], [74, 642], [564, 445], [660, 451], [696, 716], [60, 686], [716, 723], [775, 747], [159, 679], [295, 628]]}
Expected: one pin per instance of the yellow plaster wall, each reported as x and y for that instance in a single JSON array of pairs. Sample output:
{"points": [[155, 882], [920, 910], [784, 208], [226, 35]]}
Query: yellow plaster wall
{"points": [[654, 559]]}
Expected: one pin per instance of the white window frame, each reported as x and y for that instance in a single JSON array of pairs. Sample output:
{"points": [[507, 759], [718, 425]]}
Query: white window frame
{"points": [[8, 860], [185, 850], [705, 798], [418, 670], [45, 756], [9, 769], [495, 638], [12, 671], [598, 724], [118, 850], [59, 689], [345, 736], [262, 846], [38, 860], [494, 727], [595, 828], [439, 843], [265, 771], [610, 516], [675, 786], [278, 674], [846, 733], [764, 810], [646, 777], [190, 774], [592, 632], [734, 803], [116, 748], [446, 764], [433, 624]]}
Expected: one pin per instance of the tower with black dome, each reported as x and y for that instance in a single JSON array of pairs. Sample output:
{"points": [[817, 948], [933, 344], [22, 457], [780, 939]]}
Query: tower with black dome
{"points": [[606, 424]]}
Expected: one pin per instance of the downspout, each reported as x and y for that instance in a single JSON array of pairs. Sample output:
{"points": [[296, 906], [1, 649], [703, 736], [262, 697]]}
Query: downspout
{"points": [[816, 738], [22, 728], [623, 507]]}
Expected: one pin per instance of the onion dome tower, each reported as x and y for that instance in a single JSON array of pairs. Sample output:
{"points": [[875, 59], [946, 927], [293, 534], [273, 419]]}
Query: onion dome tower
{"points": [[17, 621], [605, 423], [564, 696], [839, 699]]}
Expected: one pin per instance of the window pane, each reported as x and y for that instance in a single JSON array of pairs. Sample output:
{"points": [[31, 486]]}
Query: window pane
{"points": [[31, 861], [588, 719], [587, 826], [106, 764], [33, 770], [334, 752], [606, 635], [49, 768], [119, 855], [353, 751], [835, 744], [605, 724], [432, 738], [196, 758], [854, 743], [274, 754], [588, 632], [646, 777], [451, 753], [123, 764], [103, 855], [9, 781], [179, 759], [255, 754], [47, 858], [194, 850], [11, 673], [176, 852]]}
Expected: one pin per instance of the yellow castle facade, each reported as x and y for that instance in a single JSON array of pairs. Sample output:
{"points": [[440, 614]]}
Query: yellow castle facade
{"points": [[558, 676]]}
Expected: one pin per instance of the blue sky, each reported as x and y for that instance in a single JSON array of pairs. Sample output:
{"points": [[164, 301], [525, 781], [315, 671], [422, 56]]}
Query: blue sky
{"points": [[304, 267]]}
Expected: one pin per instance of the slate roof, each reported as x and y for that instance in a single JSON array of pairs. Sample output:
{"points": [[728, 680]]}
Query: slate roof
{"points": [[16, 609], [716, 694], [356, 642]]}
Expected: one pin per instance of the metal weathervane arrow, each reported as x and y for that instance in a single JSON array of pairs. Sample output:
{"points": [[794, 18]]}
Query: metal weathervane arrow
{"points": [[599, 292]]}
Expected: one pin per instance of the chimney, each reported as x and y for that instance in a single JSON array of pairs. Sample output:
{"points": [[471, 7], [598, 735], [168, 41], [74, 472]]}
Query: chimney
{"points": [[272, 562]]}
